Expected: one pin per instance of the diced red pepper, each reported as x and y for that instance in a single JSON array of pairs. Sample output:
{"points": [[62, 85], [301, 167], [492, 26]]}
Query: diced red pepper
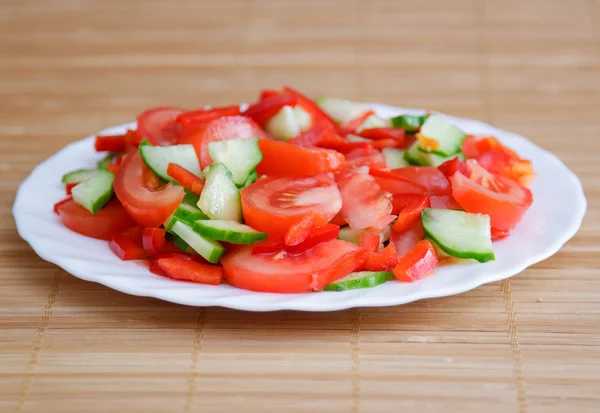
{"points": [[419, 262], [126, 249], [111, 143], [268, 93], [181, 268], [262, 111], [325, 233], [386, 260], [132, 139], [396, 134], [154, 240], [451, 166], [498, 234], [353, 124], [185, 178], [299, 232], [60, 203], [69, 187], [369, 240], [385, 143], [409, 208]]}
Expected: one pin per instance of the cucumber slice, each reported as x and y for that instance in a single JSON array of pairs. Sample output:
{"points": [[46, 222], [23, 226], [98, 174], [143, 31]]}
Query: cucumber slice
{"points": [[181, 244], [190, 197], [409, 123], [186, 213], [240, 156], [79, 175], [158, 158], [229, 231], [449, 136], [102, 163], [340, 109], [95, 192], [373, 121], [415, 156], [251, 179], [394, 158], [459, 234], [220, 197], [210, 250], [362, 279], [303, 118], [283, 125]]}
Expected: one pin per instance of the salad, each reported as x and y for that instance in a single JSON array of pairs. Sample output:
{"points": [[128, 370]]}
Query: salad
{"points": [[291, 195]]}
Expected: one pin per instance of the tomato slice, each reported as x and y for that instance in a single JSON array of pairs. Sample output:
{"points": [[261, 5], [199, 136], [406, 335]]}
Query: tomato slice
{"points": [[300, 231], [110, 220], [147, 207], [274, 204], [500, 163], [284, 273], [394, 183], [480, 191], [364, 205], [405, 241], [286, 159], [444, 202], [60, 203], [221, 129], [159, 125], [366, 156], [369, 240], [428, 176]]}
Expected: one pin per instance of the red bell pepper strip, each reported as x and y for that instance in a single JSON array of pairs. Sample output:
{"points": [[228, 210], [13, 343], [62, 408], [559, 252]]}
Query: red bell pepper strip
{"points": [[111, 143], [396, 134], [268, 93], [309, 106], [60, 203], [419, 262], [126, 249], [353, 124], [262, 111], [189, 122], [69, 187], [153, 240], [325, 233], [182, 268], [369, 240], [409, 208], [452, 166], [185, 178], [298, 233], [386, 260], [385, 143]]}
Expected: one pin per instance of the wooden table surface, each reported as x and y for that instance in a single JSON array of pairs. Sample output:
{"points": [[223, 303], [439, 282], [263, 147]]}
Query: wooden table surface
{"points": [[71, 67]]}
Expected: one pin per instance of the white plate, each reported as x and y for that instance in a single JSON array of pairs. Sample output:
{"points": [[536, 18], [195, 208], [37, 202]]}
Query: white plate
{"points": [[556, 214]]}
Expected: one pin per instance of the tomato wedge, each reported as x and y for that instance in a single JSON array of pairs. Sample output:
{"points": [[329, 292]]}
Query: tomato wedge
{"points": [[480, 191], [519, 170], [286, 159], [159, 125], [427, 176], [405, 241], [284, 273], [274, 204], [147, 207], [394, 183], [221, 129], [364, 205], [110, 220]]}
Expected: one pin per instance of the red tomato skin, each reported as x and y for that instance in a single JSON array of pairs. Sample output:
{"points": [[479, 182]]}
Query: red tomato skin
{"points": [[396, 134], [398, 186], [444, 202], [286, 159], [126, 249], [60, 203], [110, 143], [264, 211], [221, 129], [147, 207], [159, 125], [451, 166], [154, 240], [428, 177], [300, 231], [505, 209], [310, 271], [111, 219], [405, 241]]}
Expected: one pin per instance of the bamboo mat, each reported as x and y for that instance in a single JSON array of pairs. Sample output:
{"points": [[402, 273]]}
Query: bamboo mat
{"points": [[71, 67]]}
